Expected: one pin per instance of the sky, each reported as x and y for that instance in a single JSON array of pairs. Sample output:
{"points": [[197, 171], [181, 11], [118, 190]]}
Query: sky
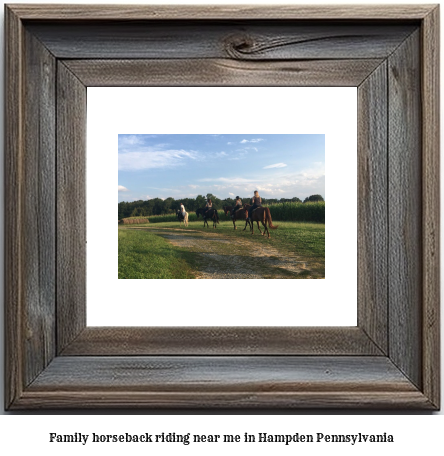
{"points": [[184, 166]]}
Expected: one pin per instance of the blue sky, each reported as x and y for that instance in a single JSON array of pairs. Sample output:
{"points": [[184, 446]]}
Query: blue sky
{"points": [[184, 166]]}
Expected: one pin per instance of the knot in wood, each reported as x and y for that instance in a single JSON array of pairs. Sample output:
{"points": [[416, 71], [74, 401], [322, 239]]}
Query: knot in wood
{"points": [[237, 46]]}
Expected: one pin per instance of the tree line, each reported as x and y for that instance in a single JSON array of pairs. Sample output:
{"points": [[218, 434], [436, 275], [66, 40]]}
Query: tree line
{"points": [[158, 206]]}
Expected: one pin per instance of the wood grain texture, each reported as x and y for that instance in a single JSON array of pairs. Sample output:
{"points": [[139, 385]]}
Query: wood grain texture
{"points": [[372, 207], [71, 206], [13, 209], [431, 205], [266, 40], [220, 12], [38, 210], [232, 382], [225, 400], [127, 341], [405, 209], [221, 72]]}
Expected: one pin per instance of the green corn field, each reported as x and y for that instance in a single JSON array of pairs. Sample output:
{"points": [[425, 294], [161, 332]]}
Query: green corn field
{"points": [[298, 212]]}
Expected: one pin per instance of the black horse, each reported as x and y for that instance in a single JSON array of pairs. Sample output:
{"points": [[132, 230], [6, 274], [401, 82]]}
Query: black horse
{"points": [[210, 213]]}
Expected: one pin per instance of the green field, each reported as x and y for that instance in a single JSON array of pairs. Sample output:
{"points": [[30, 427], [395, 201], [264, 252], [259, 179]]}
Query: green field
{"points": [[144, 255], [162, 250]]}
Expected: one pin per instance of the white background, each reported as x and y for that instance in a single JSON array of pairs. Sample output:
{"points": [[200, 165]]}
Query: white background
{"points": [[185, 110], [415, 433]]}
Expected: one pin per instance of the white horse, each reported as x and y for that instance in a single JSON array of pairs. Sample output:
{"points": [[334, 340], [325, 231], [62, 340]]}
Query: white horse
{"points": [[185, 219]]}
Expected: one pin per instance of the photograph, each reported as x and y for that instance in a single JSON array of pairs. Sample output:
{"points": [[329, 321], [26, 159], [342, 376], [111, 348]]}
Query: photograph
{"points": [[221, 206]]}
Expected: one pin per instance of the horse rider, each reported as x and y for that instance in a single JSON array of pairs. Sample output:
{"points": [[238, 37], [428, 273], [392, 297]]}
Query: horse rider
{"points": [[208, 206], [182, 209], [256, 202], [238, 205]]}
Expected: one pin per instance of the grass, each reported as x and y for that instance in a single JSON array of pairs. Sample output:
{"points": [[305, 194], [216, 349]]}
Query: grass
{"points": [[305, 240], [143, 255]]}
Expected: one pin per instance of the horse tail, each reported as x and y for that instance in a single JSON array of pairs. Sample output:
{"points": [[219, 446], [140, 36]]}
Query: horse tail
{"points": [[186, 218], [217, 215], [268, 218]]}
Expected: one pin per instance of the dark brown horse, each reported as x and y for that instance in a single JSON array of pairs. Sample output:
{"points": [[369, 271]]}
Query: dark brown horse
{"points": [[210, 213], [227, 210], [240, 215], [261, 214]]}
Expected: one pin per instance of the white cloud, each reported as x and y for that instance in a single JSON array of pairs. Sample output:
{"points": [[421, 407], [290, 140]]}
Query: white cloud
{"points": [[133, 140], [231, 194], [148, 158], [276, 165], [161, 145], [244, 141], [123, 189], [193, 186], [130, 140], [233, 180]]}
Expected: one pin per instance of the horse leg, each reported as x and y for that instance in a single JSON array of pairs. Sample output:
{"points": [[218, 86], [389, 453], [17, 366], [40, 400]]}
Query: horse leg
{"points": [[266, 229], [258, 227]]}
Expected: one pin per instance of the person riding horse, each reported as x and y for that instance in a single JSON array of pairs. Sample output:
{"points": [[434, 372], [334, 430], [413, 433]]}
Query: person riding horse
{"points": [[257, 202], [238, 205], [208, 212], [181, 212], [209, 205]]}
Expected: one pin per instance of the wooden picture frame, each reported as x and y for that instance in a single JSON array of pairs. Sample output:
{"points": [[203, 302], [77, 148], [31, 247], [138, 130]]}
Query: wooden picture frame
{"points": [[390, 360]]}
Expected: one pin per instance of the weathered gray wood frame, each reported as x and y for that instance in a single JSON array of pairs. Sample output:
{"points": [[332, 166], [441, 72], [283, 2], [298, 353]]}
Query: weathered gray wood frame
{"points": [[390, 360]]}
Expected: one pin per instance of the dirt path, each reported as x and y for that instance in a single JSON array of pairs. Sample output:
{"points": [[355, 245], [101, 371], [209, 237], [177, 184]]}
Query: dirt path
{"points": [[220, 256]]}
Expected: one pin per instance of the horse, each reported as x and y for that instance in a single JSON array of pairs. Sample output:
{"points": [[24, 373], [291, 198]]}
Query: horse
{"points": [[227, 209], [181, 218], [261, 214], [211, 213], [240, 215]]}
